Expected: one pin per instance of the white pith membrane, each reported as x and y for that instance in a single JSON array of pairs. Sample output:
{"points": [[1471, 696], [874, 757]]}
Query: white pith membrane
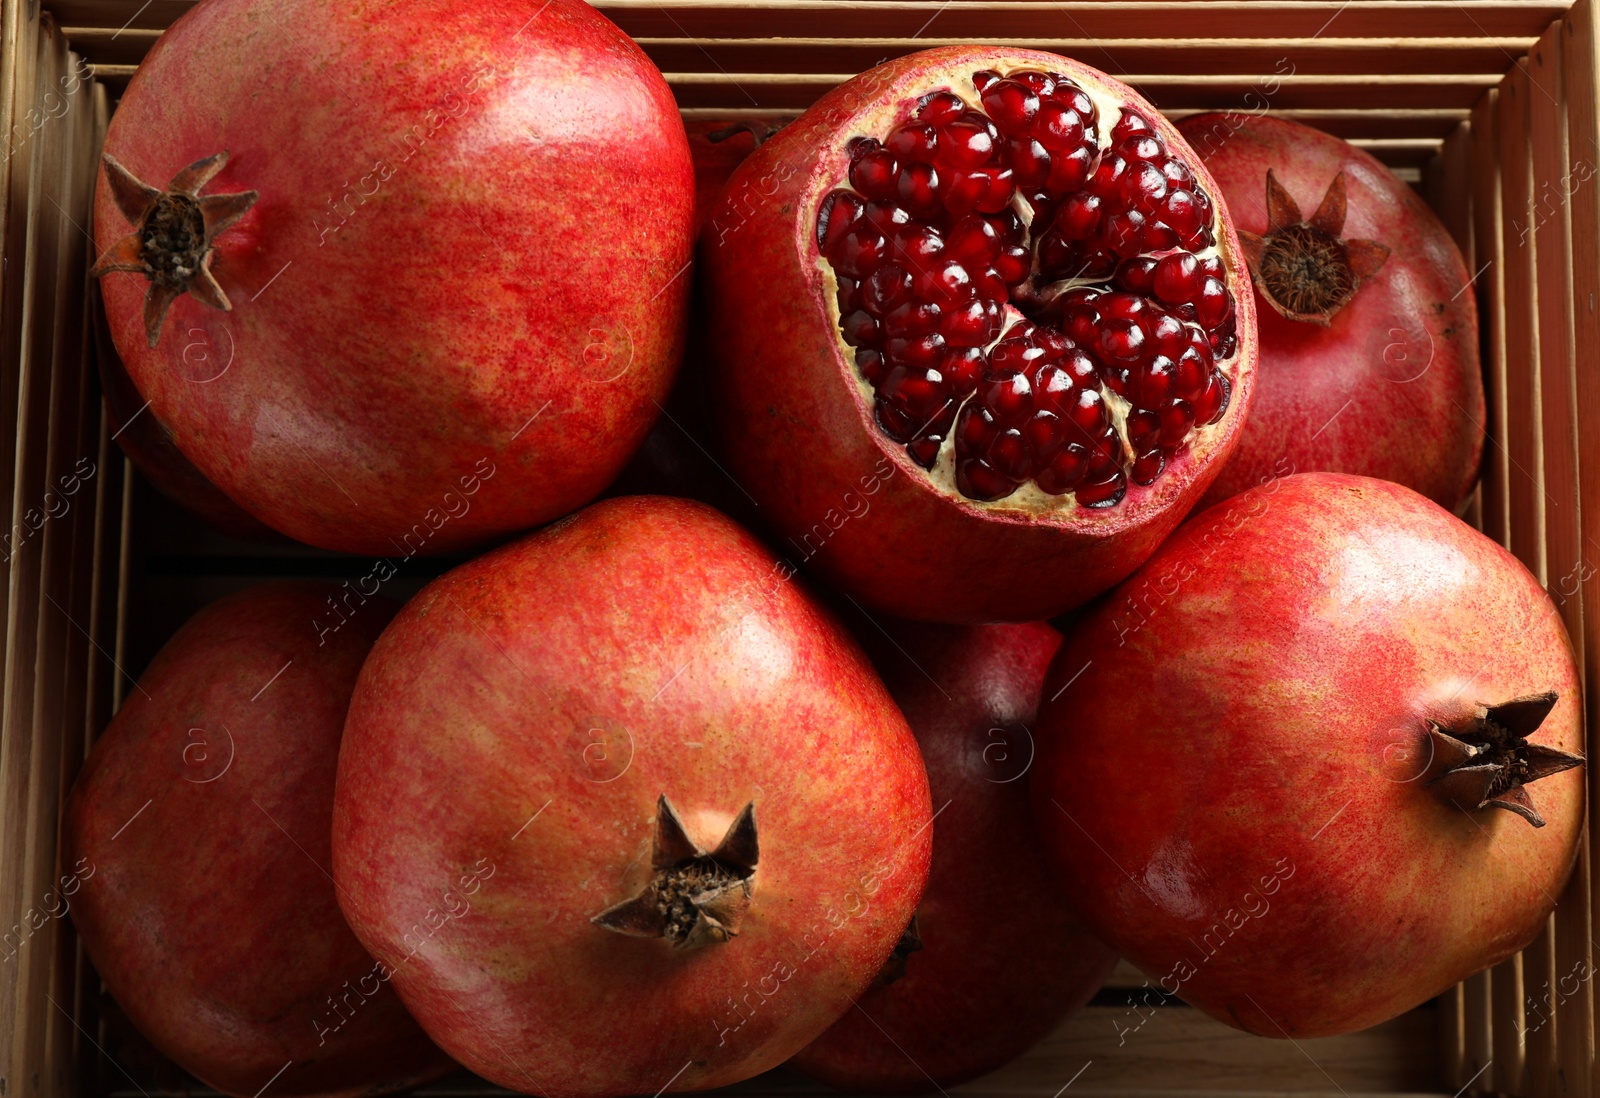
{"points": [[1027, 497]]}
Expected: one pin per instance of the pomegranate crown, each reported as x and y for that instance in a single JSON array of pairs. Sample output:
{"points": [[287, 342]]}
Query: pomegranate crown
{"points": [[1487, 761]]}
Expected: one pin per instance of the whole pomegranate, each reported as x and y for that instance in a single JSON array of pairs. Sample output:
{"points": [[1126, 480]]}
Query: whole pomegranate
{"points": [[1368, 330], [148, 444], [995, 958], [377, 255], [977, 336], [692, 822], [198, 836], [1272, 756]]}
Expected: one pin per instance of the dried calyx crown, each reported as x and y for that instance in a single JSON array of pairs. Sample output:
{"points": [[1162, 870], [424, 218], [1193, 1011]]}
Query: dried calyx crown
{"points": [[693, 897], [1487, 760], [1302, 268], [173, 234]]}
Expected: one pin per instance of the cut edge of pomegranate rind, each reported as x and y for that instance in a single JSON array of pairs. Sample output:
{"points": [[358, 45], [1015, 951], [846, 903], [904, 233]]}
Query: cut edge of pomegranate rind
{"points": [[1027, 501]]}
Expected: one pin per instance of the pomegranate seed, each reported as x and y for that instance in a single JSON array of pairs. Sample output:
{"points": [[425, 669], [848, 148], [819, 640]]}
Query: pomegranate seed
{"points": [[886, 289], [1012, 356], [1180, 210], [1144, 187], [1143, 147], [1122, 340], [1129, 123], [1043, 84], [1009, 399], [962, 368], [1190, 375], [1104, 493], [1069, 171], [972, 325], [975, 428], [923, 351], [1080, 367], [925, 450], [870, 362], [1043, 435], [1030, 163], [1124, 231], [1107, 175], [917, 392], [1177, 419], [1153, 384], [1122, 306], [914, 318], [919, 189], [839, 212], [1158, 237], [1178, 278], [886, 217], [1088, 413], [964, 191], [1143, 429], [1148, 466], [937, 108], [1002, 186], [1065, 471], [1082, 324], [914, 141], [848, 296], [1013, 263], [859, 252], [977, 481], [918, 246], [1137, 275], [964, 144], [895, 423], [1079, 216], [1212, 265], [988, 284], [876, 174], [1168, 335], [1008, 455], [982, 80], [1058, 127], [947, 284], [1214, 304], [1012, 105], [1177, 173], [974, 241], [1210, 404]]}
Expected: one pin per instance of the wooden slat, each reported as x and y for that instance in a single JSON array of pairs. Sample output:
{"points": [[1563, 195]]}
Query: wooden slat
{"points": [[1564, 552], [1580, 65], [1290, 23]]}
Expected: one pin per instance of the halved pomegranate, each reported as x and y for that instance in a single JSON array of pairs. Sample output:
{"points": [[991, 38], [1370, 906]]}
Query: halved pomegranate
{"points": [[986, 294]]}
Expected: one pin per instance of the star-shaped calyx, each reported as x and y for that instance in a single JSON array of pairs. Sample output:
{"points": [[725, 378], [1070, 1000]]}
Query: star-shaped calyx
{"points": [[1488, 761], [693, 898], [172, 237], [1303, 269]]}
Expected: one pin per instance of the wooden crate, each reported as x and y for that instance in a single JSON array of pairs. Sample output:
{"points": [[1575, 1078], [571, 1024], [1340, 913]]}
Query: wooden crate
{"points": [[1489, 107]]}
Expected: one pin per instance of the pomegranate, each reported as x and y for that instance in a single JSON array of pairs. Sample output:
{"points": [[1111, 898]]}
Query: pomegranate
{"points": [[409, 247], [148, 444], [994, 957], [1369, 333], [1270, 757], [985, 296], [696, 823], [199, 831]]}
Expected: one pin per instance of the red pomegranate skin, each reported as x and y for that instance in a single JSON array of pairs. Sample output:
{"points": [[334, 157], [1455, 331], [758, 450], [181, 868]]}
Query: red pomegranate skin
{"points": [[798, 435], [148, 444], [1392, 388], [203, 815], [717, 147], [1244, 741], [510, 736], [468, 256], [1004, 959]]}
